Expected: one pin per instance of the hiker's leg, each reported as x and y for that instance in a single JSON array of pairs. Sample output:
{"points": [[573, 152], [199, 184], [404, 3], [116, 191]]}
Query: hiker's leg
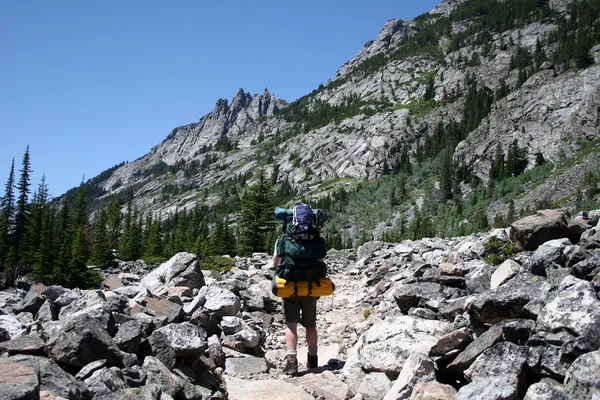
{"points": [[311, 337], [291, 336]]}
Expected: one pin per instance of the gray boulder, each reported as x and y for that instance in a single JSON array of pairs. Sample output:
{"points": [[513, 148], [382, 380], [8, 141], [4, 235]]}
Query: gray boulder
{"points": [[245, 366], [105, 381], [220, 302], [129, 335], [32, 301], [489, 388], [183, 269], [374, 386], [82, 340], [417, 294], [583, 377], [47, 312], [24, 344], [433, 391], [503, 359], [515, 331], [575, 310], [545, 390], [10, 326], [185, 338], [159, 374], [89, 299], [417, 368], [18, 381], [455, 340], [508, 300], [530, 232], [386, 346]]}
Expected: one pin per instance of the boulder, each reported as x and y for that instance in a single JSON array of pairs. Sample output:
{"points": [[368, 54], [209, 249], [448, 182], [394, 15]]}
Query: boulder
{"points": [[515, 331], [416, 294], [10, 327], [490, 388], [433, 391], [240, 389], [47, 312], [129, 335], [546, 361], [148, 392], [162, 309], [220, 302], [82, 340], [575, 309], [18, 381], [183, 269], [503, 359], [508, 300], [530, 232], [374, 386], [325, 385], [417, 368], [503, 273], [553, 251], [89, 299], [159, 346], [386, 345], [60, 296], [105, 381], [245, 366], [582, 380], [546, 391], [185, 338], [159, 374], [455, 340], [32, 301], [112, 282], [24, 344]]}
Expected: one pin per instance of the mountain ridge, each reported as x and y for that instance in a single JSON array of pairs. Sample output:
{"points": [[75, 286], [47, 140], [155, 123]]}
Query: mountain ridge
{"points": [[393, 96]]}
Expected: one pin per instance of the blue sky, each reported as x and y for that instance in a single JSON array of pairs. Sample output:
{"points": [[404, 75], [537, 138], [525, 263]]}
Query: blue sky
{"points": [[89, 84]]}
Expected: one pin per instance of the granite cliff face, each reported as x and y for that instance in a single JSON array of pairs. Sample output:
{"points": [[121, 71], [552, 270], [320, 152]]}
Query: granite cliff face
{"points": [[391, 93]]}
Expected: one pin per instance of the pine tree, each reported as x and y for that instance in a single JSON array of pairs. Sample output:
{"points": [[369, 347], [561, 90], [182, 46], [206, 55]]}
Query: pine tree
{"points": [[64, 237], [114, 224], [23, 211], [255, 222], [7, 206], [34, 226], [154, 245], [101, 252], [46, 256]]}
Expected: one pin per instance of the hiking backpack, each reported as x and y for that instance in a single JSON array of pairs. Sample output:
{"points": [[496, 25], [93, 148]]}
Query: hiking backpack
{"points": [[301, 246]]}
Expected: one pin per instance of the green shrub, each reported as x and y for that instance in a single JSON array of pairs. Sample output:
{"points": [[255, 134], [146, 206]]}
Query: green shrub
{"points": [[218, 263], [497, 251]]}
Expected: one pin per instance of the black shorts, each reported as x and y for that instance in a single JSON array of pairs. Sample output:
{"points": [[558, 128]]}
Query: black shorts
{"points": [[305, 305]]}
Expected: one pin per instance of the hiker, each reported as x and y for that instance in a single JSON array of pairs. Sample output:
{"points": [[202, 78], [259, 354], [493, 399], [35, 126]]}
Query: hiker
{"points": [[301, 276]]}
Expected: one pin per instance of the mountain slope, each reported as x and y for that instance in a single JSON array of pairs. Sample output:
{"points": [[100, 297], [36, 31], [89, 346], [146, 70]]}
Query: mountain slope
{"points": [[435, 99]]}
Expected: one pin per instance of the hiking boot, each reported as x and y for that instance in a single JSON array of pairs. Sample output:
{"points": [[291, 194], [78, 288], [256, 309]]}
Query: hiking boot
{"points": [[291, 365], [312, 361]]}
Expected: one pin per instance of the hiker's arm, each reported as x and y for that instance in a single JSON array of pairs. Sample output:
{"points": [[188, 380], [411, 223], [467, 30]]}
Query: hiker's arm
{"points": [[276, 261]]}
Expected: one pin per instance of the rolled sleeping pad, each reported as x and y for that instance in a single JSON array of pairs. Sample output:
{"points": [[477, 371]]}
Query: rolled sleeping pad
{"points": [[285, 289]]}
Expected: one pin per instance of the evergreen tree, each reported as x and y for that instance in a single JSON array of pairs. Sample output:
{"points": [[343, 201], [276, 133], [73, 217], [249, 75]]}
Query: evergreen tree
{"points": [[101, 252], [154, 245], [46, 256], [64, 237], [256, 216], [34, 226], [7, 206], [22, 212], [114, 224]]}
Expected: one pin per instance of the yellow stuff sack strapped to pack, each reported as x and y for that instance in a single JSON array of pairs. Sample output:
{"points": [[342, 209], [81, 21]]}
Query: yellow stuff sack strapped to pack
{"points": [[285, 289]]}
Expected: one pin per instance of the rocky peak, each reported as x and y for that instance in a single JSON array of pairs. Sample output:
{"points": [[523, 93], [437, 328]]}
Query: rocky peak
{"points": [[446, 7], [393, 31], [221, 108]]}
